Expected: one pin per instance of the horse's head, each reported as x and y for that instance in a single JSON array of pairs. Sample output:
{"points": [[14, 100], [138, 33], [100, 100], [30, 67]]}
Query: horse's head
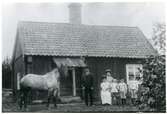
{"points": [[55, 71]]}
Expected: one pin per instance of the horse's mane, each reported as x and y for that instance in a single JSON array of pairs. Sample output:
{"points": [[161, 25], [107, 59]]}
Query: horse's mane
{"points": [[51, 72]]}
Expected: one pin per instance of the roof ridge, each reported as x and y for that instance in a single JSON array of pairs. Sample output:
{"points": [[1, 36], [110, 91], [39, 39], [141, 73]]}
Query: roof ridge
{"points": [[20, 22]]}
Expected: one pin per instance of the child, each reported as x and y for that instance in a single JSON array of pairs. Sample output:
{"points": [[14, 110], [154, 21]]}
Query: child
{"points": [[123, 91], [133, 88], [105, 92], [114, 91]]}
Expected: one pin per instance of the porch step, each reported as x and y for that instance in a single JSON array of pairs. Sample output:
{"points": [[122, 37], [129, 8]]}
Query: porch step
{"points": [[6, 92], [62, 100], [70, 99]]}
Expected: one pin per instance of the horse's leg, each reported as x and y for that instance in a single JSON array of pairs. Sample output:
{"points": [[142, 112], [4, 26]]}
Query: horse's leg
{"points": [[21, 98], [49, 97], [31, 96], [26, 92], [25, 98], [55, 95]]}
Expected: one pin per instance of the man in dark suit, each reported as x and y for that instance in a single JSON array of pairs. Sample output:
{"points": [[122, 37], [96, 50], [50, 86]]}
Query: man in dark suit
{"points": [[87, 85]]}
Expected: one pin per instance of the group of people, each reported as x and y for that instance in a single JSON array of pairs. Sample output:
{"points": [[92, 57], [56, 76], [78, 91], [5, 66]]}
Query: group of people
{"points": [[113, 91]]}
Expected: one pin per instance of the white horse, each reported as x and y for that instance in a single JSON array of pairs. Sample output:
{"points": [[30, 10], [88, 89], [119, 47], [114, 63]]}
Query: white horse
{"points": [[50, 82]]}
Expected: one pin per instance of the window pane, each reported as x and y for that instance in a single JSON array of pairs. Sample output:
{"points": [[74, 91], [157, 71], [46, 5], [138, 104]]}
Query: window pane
{"points": [[138, 73], [29, 59], [131, 75], [29, 68], [138, 77], [130, 68]]}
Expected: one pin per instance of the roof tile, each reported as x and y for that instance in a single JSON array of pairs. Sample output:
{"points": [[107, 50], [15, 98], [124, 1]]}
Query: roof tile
{"points": [[63, 39]]}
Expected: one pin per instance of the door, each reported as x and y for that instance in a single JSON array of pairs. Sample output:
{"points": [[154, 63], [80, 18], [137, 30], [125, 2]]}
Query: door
{"points": [[66, 84], [78, 81], [71, 84]]}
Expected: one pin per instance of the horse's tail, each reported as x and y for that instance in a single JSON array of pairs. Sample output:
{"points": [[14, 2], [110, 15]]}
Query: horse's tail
{"points": [[20, 96], [22, 92]]}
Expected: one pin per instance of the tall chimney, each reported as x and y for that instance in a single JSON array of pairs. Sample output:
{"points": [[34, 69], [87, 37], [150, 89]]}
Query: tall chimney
{"points": [[75, 13]]}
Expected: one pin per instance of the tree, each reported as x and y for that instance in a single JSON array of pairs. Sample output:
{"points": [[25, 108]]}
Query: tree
{"points": [[158, 38]]}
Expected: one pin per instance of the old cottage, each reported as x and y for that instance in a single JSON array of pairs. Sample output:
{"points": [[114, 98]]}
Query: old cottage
{"points": [[40, 46]]}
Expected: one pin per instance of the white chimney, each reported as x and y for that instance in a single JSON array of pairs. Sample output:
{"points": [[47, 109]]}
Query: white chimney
{"points": [[75, 13]]}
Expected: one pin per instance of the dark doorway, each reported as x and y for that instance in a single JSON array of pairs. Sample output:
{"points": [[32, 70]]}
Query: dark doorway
{"points": [[66, 88], [78, 78]]}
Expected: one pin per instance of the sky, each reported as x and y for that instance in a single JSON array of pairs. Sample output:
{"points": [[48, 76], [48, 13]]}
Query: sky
{"points": [[142, 15]]}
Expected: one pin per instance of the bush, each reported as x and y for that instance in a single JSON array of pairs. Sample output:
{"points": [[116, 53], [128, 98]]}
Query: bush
{"points": [[153, 96]]}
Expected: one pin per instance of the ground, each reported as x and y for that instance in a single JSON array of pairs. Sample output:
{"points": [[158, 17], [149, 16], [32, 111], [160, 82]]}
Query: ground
{"points": [[9, 106]]}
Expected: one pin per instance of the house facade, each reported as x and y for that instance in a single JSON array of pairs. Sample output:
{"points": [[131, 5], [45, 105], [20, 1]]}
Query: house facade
{"points": [[41, 46]]}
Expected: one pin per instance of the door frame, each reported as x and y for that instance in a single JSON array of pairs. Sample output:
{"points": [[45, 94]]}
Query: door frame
{"points": [[73, 80]]}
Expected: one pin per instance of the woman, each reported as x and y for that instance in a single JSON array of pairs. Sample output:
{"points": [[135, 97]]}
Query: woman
{"points": [[109, 79], [108, 76], [105, 92]]}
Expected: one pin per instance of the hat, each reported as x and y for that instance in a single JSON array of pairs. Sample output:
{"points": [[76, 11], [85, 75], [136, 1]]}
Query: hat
{"points": [[108, 70]]}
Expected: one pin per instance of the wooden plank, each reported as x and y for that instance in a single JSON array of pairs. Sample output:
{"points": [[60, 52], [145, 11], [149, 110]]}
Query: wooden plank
{"points": [[74, 82]]}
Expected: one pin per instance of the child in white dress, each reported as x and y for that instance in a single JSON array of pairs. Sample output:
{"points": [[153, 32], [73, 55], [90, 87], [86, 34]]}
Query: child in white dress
{"points": [[123, 91], [105, 92], [114, 91], [133, 88]]}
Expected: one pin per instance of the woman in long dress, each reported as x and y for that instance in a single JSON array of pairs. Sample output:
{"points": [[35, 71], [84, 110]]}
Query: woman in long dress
{"points": [[109, 79], [105, 92]]}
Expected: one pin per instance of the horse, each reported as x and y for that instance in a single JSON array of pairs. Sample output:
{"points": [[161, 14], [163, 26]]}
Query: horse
{"points": [[50, 82]]}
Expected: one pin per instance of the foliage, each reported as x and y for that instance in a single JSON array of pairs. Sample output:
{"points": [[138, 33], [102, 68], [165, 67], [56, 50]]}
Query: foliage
{"points": [[153, 96], [159, 37], [6, 73]]}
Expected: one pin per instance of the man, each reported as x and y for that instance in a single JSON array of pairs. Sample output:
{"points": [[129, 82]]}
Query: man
{"points": [[87, 85]]}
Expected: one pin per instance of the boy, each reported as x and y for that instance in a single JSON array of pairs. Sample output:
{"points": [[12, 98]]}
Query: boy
{"points": [[123, 91]]}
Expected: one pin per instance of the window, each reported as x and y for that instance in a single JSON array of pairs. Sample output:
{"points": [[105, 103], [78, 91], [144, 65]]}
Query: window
{"points": [[29, 65], [29, 59], [133, 72]]}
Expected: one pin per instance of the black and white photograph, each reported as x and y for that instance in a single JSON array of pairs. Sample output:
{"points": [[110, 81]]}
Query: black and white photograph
{"points": [[91, 57]]}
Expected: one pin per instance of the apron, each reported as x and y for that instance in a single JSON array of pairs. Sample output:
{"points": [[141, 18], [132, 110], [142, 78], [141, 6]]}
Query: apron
{"points": [[105, 93]]}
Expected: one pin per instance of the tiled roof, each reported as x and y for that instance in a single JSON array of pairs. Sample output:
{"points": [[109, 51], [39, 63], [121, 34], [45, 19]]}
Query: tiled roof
{"points": [[63, 39]]}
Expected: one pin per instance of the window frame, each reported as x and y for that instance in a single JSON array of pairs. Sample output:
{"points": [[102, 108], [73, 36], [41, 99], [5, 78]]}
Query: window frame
{"points": [[134, 71], [29, 65]]}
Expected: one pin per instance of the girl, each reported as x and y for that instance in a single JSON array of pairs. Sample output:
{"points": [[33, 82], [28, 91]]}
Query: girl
{"points": [[123, 91], [114, 91], [133, 88]]}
